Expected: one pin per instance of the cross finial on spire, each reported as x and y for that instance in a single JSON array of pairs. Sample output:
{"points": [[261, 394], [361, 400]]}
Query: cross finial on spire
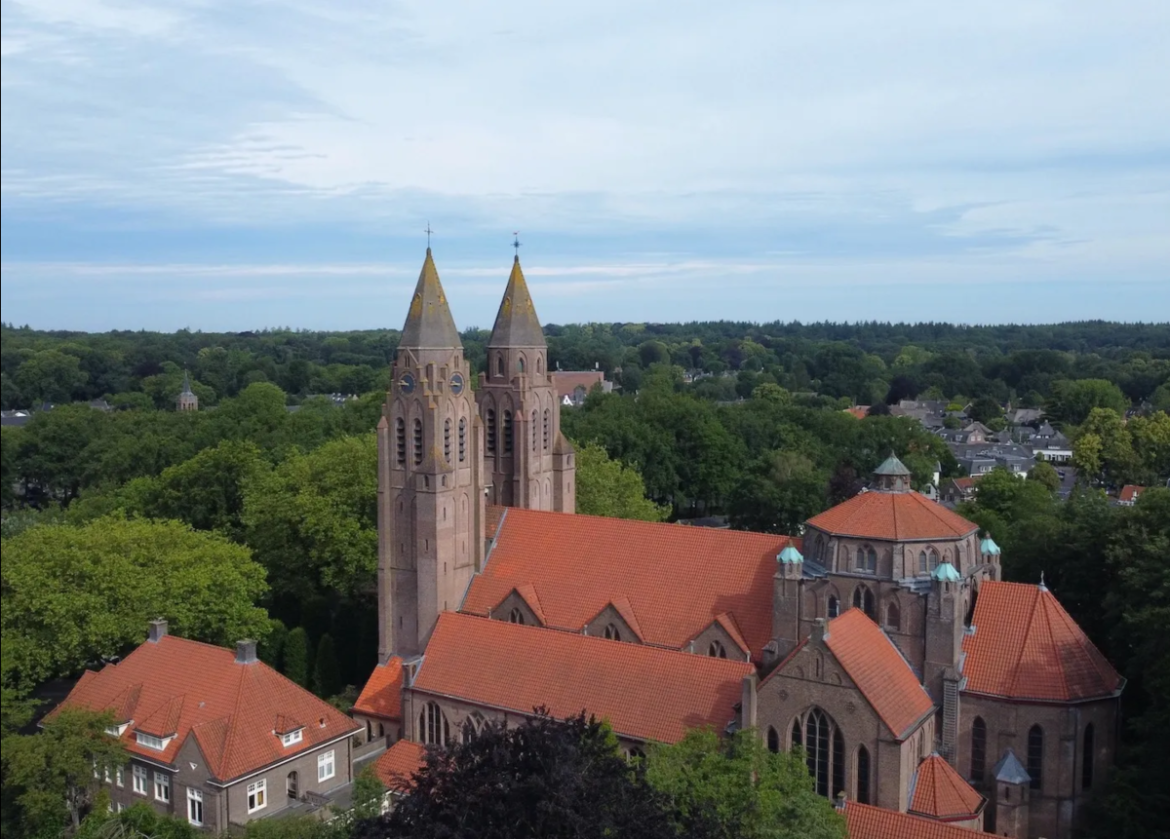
{"points": [[428, 231], [516, 243]]}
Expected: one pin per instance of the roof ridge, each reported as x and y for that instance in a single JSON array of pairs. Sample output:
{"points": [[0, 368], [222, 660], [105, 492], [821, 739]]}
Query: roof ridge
{"points": [[1085, 645]]}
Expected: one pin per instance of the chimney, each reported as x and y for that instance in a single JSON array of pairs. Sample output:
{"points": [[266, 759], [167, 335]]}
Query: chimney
{"points": [[820, 631], [158, 628], [246, 652]]}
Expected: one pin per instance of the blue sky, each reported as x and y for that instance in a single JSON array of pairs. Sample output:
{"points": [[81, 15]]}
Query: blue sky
{"points": [[236, 164]]}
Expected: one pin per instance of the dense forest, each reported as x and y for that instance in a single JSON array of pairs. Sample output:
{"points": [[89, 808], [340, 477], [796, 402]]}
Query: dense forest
{"points": [[274, 509]]}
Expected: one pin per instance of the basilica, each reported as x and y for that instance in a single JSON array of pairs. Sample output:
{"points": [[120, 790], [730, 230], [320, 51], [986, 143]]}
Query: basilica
{"points": [[929, 697]]}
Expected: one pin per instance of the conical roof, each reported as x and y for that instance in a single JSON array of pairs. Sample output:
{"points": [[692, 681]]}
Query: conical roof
{"points": [[429, 324], [1009, 770], [892, 466], [939, 792], [186, 385], [516, 323]]}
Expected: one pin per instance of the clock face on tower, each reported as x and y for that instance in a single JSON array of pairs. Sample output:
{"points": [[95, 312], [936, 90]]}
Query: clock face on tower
{"points": [[457, 384], [406, 383]]}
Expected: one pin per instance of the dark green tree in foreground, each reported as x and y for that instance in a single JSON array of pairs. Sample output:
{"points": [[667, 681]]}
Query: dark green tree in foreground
{"points": [[545, 779], [326, 672], [296, 656]]}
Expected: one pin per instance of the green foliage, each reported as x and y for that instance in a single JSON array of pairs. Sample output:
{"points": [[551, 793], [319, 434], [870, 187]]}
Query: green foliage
{"points": [[312, 521], [1071, 402], [326, 672], [136, 821], [296, 656], [1046, 475], [75, 595], [734, 788], [50, 777], [782, 492], [606, 487], [271, 649], [50, 376], [985, 410]]}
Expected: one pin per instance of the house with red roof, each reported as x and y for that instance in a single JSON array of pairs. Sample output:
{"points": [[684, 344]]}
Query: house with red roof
{"points": [[880, 640], [1129, 495], [216, 737]]}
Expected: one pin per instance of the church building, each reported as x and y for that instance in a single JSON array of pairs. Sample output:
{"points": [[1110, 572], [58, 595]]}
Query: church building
{"points": [[881, 640]]}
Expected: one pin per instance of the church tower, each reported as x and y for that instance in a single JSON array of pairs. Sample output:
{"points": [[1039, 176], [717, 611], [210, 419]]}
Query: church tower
{"points": [[187, 400], [527, 460], [430, 476]]}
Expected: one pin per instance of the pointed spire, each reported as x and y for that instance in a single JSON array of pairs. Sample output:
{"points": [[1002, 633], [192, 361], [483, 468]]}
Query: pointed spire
{"points": [[429, 324], [516, 323], [186, 385]]}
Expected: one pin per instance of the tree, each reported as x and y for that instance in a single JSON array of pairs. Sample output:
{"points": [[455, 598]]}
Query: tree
{"points": [[137, 820], [734, 788], [271, 649], [1116, 453], [544, 778], [1045, 474], [1151, 443], [985, 409], [1086, 456], [9, 441], [49, 376], [73, 595], [1072, 401], [207, 491], [296, 656], [606, 487], [53, 775], [326, 672], [783, 491], [313, 519]]}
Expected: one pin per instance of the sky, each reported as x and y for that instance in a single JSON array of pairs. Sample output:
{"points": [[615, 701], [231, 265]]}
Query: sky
{"points": [[243, 164]]}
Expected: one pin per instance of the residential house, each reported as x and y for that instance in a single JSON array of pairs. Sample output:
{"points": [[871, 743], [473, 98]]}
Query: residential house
{"points": [[1129, 495], [214, 736]]}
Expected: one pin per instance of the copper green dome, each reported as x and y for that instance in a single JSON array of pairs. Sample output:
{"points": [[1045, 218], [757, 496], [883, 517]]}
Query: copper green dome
{"points": [[790, 556], [945, 573]]}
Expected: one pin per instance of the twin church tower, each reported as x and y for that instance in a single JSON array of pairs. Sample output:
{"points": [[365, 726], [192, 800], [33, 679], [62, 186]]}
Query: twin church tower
{"points": [[446, 452]]}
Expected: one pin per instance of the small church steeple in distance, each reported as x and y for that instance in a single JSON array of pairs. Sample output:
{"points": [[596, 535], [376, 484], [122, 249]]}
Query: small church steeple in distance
{"points": [[187, 400]]}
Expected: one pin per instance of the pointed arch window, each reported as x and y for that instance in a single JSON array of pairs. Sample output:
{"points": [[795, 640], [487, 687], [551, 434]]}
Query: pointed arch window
{"points": [[1087, 757], [978, 750], [434, 730], [499, 365], [540, 365], [862, 793], [1036, 756], [462, 439], [490, 422], [546, 418], [418, 442], [825, 753], [532, 431], [472, 727], [516, 616], [933, 559], [797, 739], [893, 617], [447, 440], [923, 563], [863, 600], [400, 441], [507, 432], [520, 364], [716, 649], [834, 606], [612, 633], [773, 740]]}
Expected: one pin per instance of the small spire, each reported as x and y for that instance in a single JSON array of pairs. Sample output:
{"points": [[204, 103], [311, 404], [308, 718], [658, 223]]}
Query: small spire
{"points": [[429, 324], [516, 322], [1042, 586], [516, 244]]}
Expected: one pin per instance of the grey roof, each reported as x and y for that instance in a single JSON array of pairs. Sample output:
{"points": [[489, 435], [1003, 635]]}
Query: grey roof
{"points": [[186, 385], [1009, 770], [429, 324], [892, 466], [516, 323]]}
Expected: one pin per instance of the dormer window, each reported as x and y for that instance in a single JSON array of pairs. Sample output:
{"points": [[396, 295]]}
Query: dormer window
{"points": [[291, 738], [118, 729], [150, 741]]}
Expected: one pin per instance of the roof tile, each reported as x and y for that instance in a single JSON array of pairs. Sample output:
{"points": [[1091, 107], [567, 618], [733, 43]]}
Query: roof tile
{"points": [[1026, 646], [396, 767], [382, 695], [939, 792], [186, 687], [894, 516], [579, 564], [645, 692], [864, 821]]}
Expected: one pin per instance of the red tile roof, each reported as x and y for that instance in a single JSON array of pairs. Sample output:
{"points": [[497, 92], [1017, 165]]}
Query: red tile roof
{"points": [[567, 381], [864, 821], [939, 792], [398, 764], [859, 411], [1026, 646], [578, 565], [965, 483], [1129, 493], [492, 520], [879, 671], [382, 695], [894, 516], [182, 687], [646, 693]]}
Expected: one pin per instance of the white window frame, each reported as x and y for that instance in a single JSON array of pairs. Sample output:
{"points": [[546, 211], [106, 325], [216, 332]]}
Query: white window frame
{"points": [[162, 787], [326, 766], [120, 776], [195, 804], [140, 780], [292, 737], [150, 741], [257, 795]]}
